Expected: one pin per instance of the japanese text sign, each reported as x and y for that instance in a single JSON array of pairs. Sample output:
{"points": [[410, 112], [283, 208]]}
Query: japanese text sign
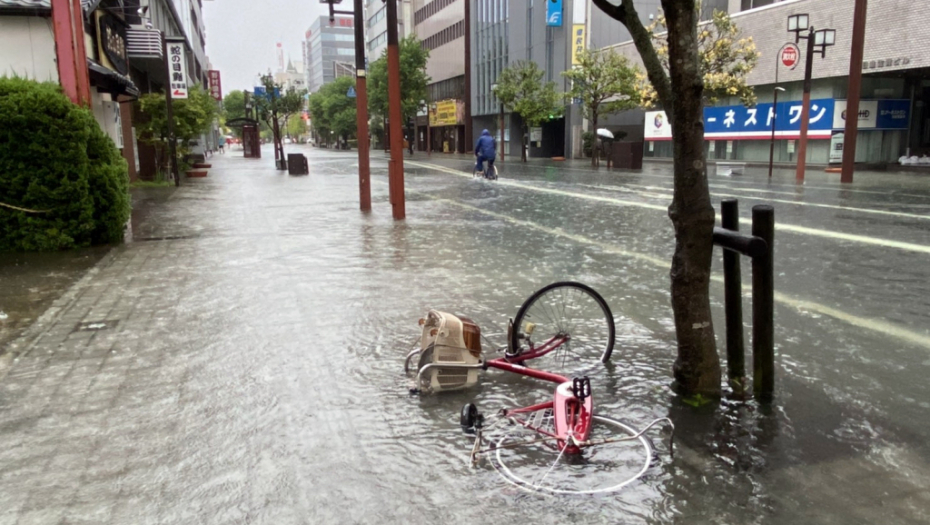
{"points": [[177, 70], [554, 13], [577, 42], [216, 90]]}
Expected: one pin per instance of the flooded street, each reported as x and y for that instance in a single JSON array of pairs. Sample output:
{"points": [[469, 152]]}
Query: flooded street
{"points": [[241, 360]]}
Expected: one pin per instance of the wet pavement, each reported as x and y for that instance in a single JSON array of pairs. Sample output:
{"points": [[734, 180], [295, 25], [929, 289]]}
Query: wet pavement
{"points": [[241, 360]]}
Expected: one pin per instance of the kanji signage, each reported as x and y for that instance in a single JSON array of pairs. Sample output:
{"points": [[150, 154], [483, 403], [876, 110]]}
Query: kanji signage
{"points": [[577, 42], [111, 42], [177, 69], [790, 56], [216, 89]]}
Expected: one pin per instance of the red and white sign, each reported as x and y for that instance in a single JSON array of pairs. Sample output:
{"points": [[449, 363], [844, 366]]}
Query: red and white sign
{"points": [[177, 69], [790, 56], [216, 89]]}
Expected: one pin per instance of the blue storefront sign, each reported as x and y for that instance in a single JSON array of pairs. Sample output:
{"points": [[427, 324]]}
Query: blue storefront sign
{"points": [[554, 13], [742, 123], [826, 115]]}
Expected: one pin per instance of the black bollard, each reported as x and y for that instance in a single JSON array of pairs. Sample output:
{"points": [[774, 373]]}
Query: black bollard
{"points": [[733, 301], [763, 305]]}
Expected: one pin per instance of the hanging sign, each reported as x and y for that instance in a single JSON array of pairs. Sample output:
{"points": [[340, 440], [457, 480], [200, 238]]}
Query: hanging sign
{"points": [[216, 90], [577, 42], [554, 13], [177, 69], [111, 42]]}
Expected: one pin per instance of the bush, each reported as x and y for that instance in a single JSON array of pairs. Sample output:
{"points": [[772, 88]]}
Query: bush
{"points": [[54, 158]]}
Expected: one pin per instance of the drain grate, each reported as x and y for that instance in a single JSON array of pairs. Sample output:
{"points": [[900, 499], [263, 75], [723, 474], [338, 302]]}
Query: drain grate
{"points": [[95, 326]]}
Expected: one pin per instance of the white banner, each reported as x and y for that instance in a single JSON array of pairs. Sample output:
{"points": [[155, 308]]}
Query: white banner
{"points": [[868, 114], [177, 66], [657, 126]]}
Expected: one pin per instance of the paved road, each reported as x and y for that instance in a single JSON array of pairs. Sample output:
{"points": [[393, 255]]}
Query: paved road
{"points": [[240, 361]]}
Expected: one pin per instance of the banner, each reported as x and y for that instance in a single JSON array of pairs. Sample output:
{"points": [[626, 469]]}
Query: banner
{"points": [[876, 114], [216, 90], [444, 113], [578, 42], [554, 13], [177, 64]]}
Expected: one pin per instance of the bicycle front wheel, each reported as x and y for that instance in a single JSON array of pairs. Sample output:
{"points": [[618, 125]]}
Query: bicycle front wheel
{"points": [[618, 458], [570, 311]]}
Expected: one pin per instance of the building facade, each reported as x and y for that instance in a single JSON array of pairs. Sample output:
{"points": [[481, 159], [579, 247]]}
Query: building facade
{"points": [[328, 47], [440, 26], [541, 31], [376, 26], [893, 120]]}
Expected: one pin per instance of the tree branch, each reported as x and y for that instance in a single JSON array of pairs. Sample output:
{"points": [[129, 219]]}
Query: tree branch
{"points": [[626, 14]]}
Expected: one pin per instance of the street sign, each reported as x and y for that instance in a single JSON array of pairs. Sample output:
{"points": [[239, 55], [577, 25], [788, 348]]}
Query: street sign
{"points": [[177, 68], [351, 92], [790, 56]]}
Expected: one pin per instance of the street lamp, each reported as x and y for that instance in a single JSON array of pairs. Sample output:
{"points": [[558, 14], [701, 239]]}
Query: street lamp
{"points": [[774, 117], [817, 41], [503, 146]]}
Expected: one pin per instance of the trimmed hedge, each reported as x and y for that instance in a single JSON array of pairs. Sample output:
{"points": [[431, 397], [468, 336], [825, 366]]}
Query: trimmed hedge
{"points": [[53, 156]]}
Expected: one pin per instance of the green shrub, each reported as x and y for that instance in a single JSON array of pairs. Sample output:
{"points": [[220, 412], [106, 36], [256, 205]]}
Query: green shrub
{"points": [[52, 158]]}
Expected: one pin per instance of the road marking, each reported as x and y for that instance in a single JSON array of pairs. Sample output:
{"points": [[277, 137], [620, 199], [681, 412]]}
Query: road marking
{"points": [[814, 204], [779, 226], [875, 325]]}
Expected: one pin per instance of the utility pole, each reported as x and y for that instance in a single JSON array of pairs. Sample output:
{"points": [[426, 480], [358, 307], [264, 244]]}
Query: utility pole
{"points": [[396, 170], [855, 90], [805, 106], [361, 110]]}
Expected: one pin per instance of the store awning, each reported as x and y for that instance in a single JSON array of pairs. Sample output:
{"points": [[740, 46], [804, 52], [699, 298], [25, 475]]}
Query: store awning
{"points": [[105, 79]]}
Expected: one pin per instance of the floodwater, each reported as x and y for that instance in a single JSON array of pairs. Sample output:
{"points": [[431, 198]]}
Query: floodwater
{"points": [[255, 374]]}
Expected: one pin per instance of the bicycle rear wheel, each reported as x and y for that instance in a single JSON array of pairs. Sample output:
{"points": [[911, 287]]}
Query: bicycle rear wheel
{"points": [[536, 466], [565, 309]]}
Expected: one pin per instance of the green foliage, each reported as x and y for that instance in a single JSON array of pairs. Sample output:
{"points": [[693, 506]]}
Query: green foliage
{"points": [[520, 88], [234, 107], [282, 107], [605, 82], [332, 111], [413, 80], [55, 159], [726, 59], [193, 117]]}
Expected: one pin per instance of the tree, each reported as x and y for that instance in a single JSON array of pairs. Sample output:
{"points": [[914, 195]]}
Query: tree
{"points": [[276, 107], [520, 89], [413, 81], [193, 117], [233, 108], [606, 83], [726, 59], [680, 89], [332, 111]]}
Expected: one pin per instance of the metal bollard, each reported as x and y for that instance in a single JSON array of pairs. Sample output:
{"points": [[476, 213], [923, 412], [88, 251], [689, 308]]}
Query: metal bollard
{"points": [[733, 301], [763, 304]]}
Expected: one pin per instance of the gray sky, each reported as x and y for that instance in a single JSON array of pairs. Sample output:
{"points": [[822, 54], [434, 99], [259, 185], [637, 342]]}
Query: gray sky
{"points": [[242, 35]]}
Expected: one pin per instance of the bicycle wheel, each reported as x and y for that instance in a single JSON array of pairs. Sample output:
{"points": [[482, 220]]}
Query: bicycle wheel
{"points": [[538, 466], [564, 309]]}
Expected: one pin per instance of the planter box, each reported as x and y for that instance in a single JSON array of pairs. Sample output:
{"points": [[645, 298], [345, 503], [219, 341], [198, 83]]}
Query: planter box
{"points": [[202, 165], [196, 173]]}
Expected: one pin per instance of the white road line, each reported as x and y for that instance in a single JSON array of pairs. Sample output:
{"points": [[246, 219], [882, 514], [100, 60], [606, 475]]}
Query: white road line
{"points": [[875, 325], [779, 226], [668, 195]]}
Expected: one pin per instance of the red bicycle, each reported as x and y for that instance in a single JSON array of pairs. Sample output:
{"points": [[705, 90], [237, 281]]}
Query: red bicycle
{"points": [[557, 446]]}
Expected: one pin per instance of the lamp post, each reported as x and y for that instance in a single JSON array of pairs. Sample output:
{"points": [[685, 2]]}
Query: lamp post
{"points": [[817, 41], [503, 145], [774, 117]]}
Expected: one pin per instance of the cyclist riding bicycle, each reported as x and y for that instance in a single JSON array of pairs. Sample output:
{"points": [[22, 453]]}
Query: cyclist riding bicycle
{"points": [[485, 150]]}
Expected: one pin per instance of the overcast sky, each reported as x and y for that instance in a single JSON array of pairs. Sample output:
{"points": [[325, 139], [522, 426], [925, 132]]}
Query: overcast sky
{"points": [[242, 35]]}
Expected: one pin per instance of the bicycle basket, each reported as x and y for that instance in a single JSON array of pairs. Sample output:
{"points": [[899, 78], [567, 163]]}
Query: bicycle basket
{"points": [[450, 352]]}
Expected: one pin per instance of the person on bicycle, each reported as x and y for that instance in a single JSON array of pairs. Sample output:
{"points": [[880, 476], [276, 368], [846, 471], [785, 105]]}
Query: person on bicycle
{"points": [[485, 150]]}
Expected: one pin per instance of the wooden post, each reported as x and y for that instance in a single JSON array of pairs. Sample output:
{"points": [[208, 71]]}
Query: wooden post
{"points": [[172, 142], [805, 108], [361, 109], [733, 300], [763, 305], [855, 88], [396, 119]]}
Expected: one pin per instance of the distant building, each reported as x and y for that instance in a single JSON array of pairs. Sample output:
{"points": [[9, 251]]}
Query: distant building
{"points": [[376, 25], [291, 77], [327, 45]]}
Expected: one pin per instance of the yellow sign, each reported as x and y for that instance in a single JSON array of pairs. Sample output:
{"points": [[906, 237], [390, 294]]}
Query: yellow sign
{"points": [[577, 42], [444, 113]]}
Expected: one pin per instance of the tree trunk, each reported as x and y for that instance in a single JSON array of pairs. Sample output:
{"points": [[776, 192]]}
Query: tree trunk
{"points": [[594, 152], [523, 142], [697, 369]]}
